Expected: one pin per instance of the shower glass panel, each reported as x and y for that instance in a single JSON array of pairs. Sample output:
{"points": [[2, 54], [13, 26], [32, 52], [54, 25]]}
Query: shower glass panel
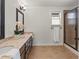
{"points": [[78, 45], [71, 28]]}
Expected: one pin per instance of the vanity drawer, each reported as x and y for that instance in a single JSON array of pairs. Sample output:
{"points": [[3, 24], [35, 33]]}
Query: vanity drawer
{"points": [[23, 48]]}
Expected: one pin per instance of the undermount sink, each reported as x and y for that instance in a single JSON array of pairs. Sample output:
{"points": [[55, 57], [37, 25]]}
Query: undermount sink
{"points": [[5, 49]]}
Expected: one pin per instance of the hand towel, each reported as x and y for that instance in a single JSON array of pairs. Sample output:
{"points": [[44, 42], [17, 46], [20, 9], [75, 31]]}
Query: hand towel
{"points": [[56, 34]]}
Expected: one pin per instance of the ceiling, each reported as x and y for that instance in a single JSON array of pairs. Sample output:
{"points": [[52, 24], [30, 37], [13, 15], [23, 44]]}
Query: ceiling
{"points": [[56, 3]]}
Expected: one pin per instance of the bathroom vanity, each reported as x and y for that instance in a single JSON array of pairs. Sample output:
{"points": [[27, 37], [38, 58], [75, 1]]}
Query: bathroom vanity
{"points": [[23, 43], [26, 48]]}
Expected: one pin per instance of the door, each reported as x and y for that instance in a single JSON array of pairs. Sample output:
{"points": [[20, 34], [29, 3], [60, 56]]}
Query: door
{"points": [[55, 28], [71, 28]]}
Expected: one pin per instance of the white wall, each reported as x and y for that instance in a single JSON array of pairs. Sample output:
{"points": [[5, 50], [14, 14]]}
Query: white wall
{"points": [[10, 17], [38, 21]]}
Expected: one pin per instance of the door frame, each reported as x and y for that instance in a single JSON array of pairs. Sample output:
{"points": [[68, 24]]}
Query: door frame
{"points": [[2, 36], [65, 11]]}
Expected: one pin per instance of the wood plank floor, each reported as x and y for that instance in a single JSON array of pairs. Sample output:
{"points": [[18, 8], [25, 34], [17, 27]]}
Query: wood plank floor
{"points": [[49, 52]]}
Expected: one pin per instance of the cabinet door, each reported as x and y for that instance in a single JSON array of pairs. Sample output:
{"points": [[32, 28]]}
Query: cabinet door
{"points": [[23, 56], [22, 49], [23, 52], [28, 46]]}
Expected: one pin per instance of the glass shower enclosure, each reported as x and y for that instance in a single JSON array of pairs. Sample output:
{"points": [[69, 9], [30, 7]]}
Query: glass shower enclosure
{"points": [[71, 28]]}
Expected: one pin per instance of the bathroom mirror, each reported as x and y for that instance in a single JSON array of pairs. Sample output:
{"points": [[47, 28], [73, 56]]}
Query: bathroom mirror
{"points": [[19, 22]]}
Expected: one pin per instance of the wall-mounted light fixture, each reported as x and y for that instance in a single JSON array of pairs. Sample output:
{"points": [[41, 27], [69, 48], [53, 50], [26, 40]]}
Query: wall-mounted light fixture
{"points": [[22, 4], [22, 8]]}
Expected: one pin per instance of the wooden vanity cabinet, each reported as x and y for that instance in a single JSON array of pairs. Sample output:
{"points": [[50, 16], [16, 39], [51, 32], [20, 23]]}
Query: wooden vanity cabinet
{"points": [[26, 48], [23, 51]]}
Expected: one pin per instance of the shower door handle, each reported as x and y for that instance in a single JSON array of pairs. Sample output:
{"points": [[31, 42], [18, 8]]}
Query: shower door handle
{"points": [[75, 28]]}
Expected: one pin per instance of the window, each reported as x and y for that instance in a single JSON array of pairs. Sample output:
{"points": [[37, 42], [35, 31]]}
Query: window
{"points": [[56, 19]]}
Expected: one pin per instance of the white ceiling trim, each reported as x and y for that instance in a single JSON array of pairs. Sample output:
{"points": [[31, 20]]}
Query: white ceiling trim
{"points": [[56, 3]]}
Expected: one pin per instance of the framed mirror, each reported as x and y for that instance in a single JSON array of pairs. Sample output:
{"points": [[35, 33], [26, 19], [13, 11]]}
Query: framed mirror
{"points": [[19, 22]]}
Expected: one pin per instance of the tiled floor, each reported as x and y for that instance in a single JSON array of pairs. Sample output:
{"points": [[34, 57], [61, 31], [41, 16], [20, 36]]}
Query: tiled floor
{"points": [[55, 52]]}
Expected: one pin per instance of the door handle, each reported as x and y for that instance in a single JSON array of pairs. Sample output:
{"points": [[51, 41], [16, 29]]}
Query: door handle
{"points": [[75, 28]]}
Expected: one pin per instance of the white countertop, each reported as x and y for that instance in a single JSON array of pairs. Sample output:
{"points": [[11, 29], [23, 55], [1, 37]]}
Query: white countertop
{"points": [[13, 41]]}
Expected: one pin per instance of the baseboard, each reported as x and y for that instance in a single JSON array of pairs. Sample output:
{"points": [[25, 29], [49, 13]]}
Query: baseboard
{"points": [[48, 45], [72, 50]]}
